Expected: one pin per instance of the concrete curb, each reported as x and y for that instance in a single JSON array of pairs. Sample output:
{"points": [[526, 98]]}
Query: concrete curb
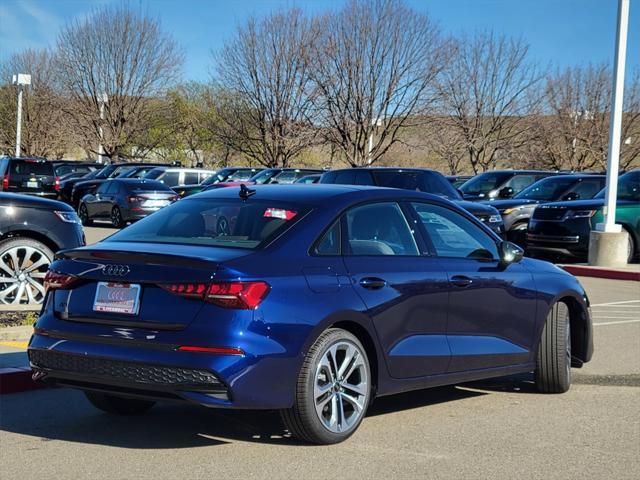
{"points": [[20, 333], [600, 272], [17, 379]]}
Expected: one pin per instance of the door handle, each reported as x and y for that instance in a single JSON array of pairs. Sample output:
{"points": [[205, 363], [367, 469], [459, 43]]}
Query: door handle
{"points": [[372, 283], [461, 281]]}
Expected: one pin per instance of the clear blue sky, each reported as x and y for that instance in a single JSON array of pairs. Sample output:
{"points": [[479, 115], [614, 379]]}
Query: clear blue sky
{"points": [[560, 32]]}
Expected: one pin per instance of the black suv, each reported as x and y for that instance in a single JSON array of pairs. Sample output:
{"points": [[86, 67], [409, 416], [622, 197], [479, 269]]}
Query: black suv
{"points": [[516, 211], [422, 180], [34, 176], [500, 183], [31, 230]]}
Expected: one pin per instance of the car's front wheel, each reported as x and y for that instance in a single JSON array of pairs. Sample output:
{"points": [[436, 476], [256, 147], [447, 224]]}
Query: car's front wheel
{"points": [[553, 363], [118, 405], [333, 389]]}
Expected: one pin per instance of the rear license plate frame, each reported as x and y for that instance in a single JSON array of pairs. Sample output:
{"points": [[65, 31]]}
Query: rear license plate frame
{"points": [[119, 304]]}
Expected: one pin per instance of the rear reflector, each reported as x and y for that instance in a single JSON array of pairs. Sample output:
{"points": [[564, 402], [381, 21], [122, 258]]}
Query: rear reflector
{"points": [[54, 280], [238, 295], [216, 350]]}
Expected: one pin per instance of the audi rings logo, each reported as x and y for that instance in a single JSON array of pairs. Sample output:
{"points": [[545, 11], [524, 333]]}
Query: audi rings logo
{"points": [[115, 270]]}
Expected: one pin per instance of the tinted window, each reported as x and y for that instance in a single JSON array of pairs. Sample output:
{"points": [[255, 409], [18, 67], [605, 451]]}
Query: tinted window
{"points": [[452, 235], [588, 188], [26, 167], [103, 188], [344, 177], [155, 173], [171, 178], [264, 176], [520, 182], [628, 187], [214, 222], [379, 229], [484, 183], [428, 182], [363, 178], [191, 178], [285, 177], [550, 188], [242, 175], [112, 187], [330, 242]]}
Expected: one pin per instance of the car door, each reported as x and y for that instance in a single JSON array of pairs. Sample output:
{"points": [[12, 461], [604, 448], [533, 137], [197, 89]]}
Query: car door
{"points": [[492, 307], [405, 293], [108, 198], [93, 201]]}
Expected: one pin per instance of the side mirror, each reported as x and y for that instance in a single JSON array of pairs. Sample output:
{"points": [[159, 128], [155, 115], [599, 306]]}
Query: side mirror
{"points": [[510, 253], [571, 196], [506, 192]]}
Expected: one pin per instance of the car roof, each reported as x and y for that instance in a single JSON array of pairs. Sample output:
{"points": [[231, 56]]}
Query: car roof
{"points": [[317, 194]]}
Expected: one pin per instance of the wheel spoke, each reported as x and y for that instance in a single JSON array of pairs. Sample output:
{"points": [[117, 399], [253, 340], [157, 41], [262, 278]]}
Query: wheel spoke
{"points": [[333, 420], [36, 285], [6, 268], [342, 420], [7, 291], [359, 389], [350, 354], [43, 261], [18, 298], [357, 406]]}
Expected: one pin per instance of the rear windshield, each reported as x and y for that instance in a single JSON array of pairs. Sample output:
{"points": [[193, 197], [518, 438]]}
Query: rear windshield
{"points": [[427, 182], [215, 222], [147, 186], [30, 167]]}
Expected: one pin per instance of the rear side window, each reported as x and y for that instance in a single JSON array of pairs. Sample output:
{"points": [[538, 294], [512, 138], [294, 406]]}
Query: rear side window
{"points": [[190, 178], [329, 244], [26, 167], [452, 235], [171, 178], [379, 229], [215, 222]]}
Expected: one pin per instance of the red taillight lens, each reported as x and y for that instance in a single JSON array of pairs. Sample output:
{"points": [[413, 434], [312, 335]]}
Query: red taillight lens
{"points": [[216, 350], [5, 182], [56, 184], [238, 295], [135, 198], [54, 280]]}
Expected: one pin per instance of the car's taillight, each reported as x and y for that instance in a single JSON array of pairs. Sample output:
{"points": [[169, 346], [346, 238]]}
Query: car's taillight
{"points": [[135, 198], [56, 184], [55, 280], [238, 295], [5, 182], [216, 350]]}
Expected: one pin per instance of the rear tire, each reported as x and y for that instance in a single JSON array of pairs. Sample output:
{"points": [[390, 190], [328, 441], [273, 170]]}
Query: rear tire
{"points": [[83, 213], [333, 390], [118, 405], [553, 362], [631, 247], [116, 217]]}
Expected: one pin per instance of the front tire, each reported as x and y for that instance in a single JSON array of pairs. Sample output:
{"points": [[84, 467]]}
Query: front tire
{"points": [[553, 362], [118, 405], [333, 390]]}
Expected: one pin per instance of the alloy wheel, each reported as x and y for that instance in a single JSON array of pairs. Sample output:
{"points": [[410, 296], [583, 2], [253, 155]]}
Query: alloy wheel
{"points": [[22, 271], [341, 386], [116, 217]]}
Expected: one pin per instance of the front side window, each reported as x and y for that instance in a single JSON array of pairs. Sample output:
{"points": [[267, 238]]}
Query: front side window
{"points": [[484, 183], [379, 229], [550, 188], [588, 188], [452, 235]]}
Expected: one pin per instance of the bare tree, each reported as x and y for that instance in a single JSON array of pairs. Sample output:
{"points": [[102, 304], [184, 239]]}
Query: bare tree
{"points": [[42, 131], [487, 91], [125, 56], [264, 99], [573, 128], [374, 67]]}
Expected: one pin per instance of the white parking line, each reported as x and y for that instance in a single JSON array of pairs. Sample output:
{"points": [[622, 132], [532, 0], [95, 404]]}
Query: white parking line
{"points": [[615, 323], [616, 303]]}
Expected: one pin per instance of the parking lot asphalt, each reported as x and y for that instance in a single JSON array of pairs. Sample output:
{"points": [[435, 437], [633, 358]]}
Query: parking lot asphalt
{"points": [[491, 429]]}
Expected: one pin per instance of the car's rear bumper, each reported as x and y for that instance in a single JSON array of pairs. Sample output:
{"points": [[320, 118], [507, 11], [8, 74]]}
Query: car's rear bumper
{"points": [[160, 371]]}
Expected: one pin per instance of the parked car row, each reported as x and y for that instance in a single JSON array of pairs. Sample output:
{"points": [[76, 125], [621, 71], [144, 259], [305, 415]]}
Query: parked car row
{"points": [[504, 200]]}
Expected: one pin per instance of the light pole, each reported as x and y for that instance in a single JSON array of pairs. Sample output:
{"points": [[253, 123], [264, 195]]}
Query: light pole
{"points": [[102, 99], [608, 244], [20, 80], [376, 122]]}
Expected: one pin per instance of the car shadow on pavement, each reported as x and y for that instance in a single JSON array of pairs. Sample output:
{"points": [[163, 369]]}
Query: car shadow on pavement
{"points": [[63, 414]]}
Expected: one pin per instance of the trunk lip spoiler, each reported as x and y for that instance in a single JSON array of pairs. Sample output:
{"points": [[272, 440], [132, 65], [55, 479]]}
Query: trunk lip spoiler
{"points": [[99, 255]]}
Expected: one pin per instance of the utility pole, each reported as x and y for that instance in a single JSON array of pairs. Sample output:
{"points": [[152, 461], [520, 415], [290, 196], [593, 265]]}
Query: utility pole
{"points": [[376, 122], [20, 80]]}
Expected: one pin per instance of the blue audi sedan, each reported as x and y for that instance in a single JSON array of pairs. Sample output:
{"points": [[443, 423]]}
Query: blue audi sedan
{"points": [[311, 301]]}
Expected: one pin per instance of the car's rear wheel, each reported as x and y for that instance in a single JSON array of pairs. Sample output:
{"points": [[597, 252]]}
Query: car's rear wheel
{"points": [[116, 217], [83, 213], [118, 405], [23, 265], [553, 362], [631, 248], [333, 390]]}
